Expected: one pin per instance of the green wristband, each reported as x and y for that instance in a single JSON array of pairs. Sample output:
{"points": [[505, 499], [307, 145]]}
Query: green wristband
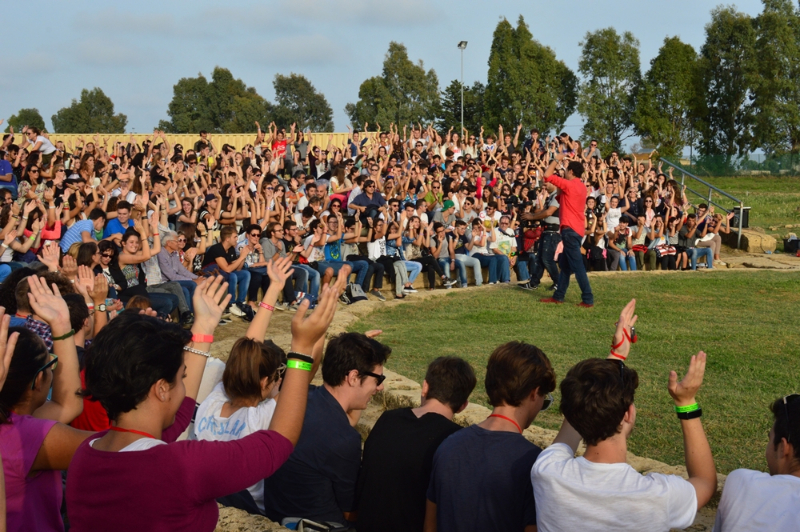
{"points": [[297, 364], [687, 408]]}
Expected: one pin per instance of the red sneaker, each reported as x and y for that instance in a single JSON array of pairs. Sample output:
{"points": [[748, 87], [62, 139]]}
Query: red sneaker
{"points": [[550, 300], [584, 305]]}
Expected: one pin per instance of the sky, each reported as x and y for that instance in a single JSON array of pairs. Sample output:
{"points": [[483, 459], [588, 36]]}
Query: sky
{"points": [[137, 51]]}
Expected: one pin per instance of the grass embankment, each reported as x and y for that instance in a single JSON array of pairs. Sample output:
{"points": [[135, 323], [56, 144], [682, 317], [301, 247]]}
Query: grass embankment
{"points": [[746, 322]]}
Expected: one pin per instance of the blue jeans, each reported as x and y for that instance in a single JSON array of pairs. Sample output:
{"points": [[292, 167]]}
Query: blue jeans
{"points": [[489, 261], [240, 280], [696, 253], [503, 268], [627, 262], [571, 261], [414, 269], [524, 266], [359, 267], [545, 258], [188, 292], [312, 276], [445, 265], [464, 261]]}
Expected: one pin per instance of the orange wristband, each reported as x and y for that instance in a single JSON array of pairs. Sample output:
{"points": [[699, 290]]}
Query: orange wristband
{"points": [[202, 338]]}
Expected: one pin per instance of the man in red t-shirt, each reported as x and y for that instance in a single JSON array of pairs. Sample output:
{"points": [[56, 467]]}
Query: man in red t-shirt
{"points": [[572, 199]]}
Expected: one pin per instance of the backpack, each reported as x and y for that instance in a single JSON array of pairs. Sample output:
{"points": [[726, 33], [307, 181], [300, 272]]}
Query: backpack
{"points": [[355, 293]]}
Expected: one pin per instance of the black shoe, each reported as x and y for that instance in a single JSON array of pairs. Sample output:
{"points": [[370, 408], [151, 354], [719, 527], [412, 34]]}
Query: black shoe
{"points": [[525, 286], [187, 318], [248, 311], [533, 287]]}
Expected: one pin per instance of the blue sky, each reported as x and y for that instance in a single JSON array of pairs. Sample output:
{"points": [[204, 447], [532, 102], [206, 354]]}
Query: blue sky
{"points": [[137, 51]]}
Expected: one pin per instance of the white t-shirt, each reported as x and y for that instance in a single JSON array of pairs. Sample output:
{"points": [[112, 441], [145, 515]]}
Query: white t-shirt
{"points": [[477, 248], [612, 218], [504, 242], [318, 253], [47, 147], [142, 444], [211, 426], [756, 501], [576, 494]]}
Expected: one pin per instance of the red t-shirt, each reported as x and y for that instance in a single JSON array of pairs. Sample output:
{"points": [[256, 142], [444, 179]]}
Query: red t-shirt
{"points": [[94, 416], [279, 148], [572, 201]]}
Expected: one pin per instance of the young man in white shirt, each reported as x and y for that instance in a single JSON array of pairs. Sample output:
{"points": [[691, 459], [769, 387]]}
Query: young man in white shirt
{"points": [[755, 501], [599, 490]]}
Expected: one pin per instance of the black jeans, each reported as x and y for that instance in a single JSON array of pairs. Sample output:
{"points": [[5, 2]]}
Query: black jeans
{"points": [[431, 266]]}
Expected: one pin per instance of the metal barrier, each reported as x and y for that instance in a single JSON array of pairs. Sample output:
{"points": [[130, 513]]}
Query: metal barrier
{"points": [[708, 197]]}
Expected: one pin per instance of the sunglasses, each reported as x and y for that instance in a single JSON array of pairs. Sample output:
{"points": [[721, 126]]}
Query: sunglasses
{"points": [[179, 240], [379, 378], [53, 363], [107, 255], [34, 171], [786, 401], [256, 235]]}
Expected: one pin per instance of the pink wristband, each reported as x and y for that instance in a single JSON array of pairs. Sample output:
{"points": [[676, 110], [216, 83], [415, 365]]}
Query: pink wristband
{"points": [[266, 306], [203, 338]]}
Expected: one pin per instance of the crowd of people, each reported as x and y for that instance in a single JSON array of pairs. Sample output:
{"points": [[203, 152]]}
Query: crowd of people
{"points": [[156, 217], [117, 250]]}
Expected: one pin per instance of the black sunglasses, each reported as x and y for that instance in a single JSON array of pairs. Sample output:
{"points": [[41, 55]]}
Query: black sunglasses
{"points": [[379, 378], [257, 235], [53, 362]]}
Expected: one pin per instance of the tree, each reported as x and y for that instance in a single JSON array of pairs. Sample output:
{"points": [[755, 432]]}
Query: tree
{"points": [[94, 113], [223, 105], [25, 117], [609, 65], [404, 93], [724, 114], [297, 101], [663, 112], [776, 94], [450, 107], [526, 83]]}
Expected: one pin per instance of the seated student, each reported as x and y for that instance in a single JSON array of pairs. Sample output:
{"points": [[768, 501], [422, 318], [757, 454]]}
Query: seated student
{"points": [[398, 454], [221, 258], [599, 490], [462, 245], [480, 477], [84, 230], [146, 373], [35, 442], [754, 500], [318, 481], [244, 402], [121, 223]]}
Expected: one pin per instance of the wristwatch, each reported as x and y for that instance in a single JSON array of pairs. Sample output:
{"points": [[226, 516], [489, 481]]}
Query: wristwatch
{"points": [[101, 307]]}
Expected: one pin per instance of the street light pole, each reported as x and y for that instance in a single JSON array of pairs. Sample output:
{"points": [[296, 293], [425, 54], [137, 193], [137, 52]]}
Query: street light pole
{"points": [[461, 46]]}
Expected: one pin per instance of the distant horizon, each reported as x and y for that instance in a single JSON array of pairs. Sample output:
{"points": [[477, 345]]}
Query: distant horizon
{"points": [[136, 56]]}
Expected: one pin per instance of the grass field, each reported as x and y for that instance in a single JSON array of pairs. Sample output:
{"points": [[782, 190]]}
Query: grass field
{"points": [[746, 321]]}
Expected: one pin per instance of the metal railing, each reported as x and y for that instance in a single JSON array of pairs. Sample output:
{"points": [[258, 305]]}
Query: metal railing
{"points": [[708, 196]]}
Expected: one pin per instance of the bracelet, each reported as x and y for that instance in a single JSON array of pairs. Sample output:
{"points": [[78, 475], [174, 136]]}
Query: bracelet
{"points": [[193, 350], [687, 408], [299, 356], [690, 415], [202, 338], [296, 364], [64, 336], [266, 306], [90, 306]]}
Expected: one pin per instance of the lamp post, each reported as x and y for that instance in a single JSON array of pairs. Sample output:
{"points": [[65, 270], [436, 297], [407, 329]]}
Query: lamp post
{"points": [[461, 46]]}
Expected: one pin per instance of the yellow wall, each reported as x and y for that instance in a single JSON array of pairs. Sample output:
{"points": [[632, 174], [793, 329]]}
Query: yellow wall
{"points": [[187, 141]]}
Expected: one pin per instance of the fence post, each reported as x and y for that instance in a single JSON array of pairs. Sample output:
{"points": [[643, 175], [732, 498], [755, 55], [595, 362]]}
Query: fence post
{"points": [[741, 216]]}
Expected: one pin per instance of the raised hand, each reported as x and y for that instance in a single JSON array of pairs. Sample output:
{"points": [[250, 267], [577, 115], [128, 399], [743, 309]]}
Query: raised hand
{"points": [[85, 280], [279, 271], [306, 331], [685, 391], [210, 298], [7, 345], [624, 334], [10, 237], [47, 303], [69, 268], [99, 290], [50, 255]]}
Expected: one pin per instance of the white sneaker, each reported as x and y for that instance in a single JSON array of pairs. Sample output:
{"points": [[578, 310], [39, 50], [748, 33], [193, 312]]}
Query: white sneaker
{"points": [[236, 311]]}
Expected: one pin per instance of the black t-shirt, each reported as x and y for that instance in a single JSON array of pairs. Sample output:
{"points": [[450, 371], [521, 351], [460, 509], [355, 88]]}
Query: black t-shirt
{"points": [[318, 481], [481, 480], [461, 245], [396, 468], [217, 250]]}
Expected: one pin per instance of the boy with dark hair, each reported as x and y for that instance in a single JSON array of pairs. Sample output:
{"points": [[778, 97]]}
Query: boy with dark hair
{"points": [[754, 500], [480, 474], [599, 489], [398, 453], [318, 481]]}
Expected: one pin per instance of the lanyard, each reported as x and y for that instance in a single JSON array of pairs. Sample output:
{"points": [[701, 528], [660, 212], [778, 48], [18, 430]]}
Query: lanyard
{"points": [[507, 419], [140, 433]]}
